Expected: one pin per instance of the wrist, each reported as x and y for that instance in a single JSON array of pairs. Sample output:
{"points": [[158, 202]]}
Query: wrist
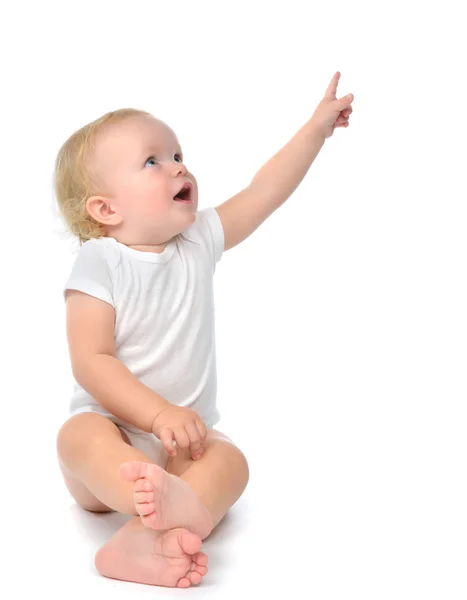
{"points": [[161, 409], [316, 130]]}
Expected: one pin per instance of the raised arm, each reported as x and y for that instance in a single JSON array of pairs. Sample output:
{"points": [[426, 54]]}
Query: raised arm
{"points": [[276, 180]]}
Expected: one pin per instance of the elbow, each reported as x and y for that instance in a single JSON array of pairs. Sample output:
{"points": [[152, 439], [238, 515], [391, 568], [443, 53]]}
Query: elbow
{"points": [[84, 370]]}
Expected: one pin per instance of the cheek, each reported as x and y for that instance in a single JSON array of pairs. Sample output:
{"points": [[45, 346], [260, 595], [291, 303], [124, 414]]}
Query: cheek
{"points": [[148, 210], [151, 198], [156, 190]]}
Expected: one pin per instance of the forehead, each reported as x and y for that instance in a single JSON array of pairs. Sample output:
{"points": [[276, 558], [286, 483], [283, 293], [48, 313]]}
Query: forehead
{"points": [[126, 140]]}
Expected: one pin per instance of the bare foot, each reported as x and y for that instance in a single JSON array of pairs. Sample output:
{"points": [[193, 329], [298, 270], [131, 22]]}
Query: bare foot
{"points": [[165, 501], [166, 558]]}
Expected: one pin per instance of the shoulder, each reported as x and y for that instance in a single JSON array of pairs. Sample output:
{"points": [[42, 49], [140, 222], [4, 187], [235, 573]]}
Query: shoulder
{"points": [[101, 250], [93, 270]]}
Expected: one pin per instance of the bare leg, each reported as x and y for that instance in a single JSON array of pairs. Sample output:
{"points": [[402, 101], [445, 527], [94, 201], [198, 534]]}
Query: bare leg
{"points": [[219, 477], [165, 499], [90, 451]]}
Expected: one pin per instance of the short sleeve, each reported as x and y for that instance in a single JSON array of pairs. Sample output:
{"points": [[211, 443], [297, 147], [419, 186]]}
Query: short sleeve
{"points": [[208, 232], [217, 231], [91, 273], [211, 226]]}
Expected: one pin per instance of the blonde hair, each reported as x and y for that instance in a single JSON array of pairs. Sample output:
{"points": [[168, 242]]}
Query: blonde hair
{"points": [[74, 178]]}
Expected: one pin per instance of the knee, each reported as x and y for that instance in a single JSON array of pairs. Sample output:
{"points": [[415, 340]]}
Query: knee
{"points": [[236, 460], [65, 437], [244, 464], [81, 431]]}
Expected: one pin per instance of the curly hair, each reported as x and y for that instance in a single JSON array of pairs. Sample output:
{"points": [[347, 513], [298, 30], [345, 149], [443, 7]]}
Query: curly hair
{"points": [[74, 179]]}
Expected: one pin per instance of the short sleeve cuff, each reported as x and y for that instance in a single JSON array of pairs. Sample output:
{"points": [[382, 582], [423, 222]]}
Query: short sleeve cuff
{"points": [[215, 225], [89, 287]]}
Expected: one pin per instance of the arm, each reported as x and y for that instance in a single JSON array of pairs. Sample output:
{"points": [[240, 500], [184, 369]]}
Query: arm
{"points": [[90, 333], [242, 214], [281, 175]]}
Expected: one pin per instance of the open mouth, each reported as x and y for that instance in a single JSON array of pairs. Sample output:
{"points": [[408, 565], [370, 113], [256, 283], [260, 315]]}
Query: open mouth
{"points": [[184, 195]]}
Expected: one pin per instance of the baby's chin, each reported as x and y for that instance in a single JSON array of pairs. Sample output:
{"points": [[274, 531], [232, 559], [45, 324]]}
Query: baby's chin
{"points": [[185, 221], [190, 210]]}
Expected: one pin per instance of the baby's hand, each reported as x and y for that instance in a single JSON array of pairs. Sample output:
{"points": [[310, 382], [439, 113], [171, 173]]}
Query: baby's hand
{"points": [[182, 425]]}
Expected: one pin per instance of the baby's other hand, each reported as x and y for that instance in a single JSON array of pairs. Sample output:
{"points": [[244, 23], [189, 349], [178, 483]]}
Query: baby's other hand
{"points": [[182, 426]]}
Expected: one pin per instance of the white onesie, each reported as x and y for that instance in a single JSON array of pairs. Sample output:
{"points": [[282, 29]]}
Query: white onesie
{"points": [[164, 305]]}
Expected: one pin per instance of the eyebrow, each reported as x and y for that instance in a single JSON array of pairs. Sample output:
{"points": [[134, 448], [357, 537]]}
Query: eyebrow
{"points": [[152, 148]]}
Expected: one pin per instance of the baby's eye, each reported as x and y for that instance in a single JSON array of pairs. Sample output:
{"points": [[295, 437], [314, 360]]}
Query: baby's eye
{"points": [[154, 159], [150, 158]]}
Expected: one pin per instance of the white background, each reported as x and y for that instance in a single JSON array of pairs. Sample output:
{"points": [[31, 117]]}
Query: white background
{"points": [[341, 322]]}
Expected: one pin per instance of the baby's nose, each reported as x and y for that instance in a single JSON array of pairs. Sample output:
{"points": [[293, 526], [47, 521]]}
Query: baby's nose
{"points": [[178, 168]]}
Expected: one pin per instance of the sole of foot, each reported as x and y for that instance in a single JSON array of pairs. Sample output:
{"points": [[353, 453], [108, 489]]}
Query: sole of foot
{"points": [[165, 558], [165, 501]]}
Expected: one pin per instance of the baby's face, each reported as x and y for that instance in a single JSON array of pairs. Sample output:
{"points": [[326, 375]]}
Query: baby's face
{"points": [[140, 164]]}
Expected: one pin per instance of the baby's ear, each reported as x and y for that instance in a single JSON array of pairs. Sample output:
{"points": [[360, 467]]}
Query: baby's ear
{"points": [[101, 211]]}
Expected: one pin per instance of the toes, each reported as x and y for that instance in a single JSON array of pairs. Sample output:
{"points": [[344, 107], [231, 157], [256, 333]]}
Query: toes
{"points": [[194, 577], [145, 476], [199, 564], [144, 497], [201, 570], [176, 539], [143, 485], [149, 520], [189, 542], [201, 559], [144, 508], [131, 471], [183, 583]]}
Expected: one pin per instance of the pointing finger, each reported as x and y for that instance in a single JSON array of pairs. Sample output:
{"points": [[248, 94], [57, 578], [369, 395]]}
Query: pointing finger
{"points": [[332, 87]]}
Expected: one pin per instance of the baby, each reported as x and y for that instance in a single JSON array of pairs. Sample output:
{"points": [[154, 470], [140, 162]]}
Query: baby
{"points": [[140, 439]]}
